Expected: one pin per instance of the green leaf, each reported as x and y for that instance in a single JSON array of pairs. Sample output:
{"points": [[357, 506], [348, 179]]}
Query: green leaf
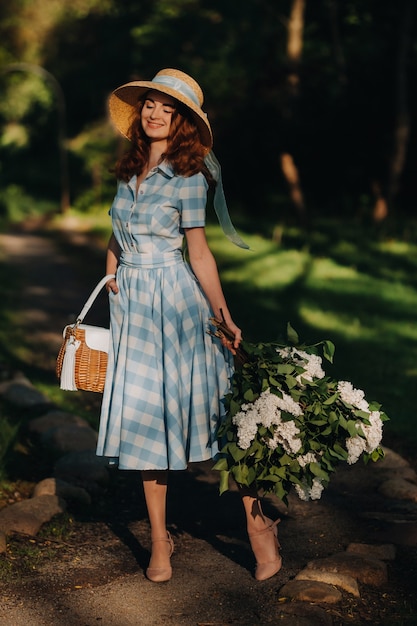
{"points": [[352, 430], [221, 465], [280, 492], [240, 474], [291, 382], [339, 452], [317, 408], [249, 396], [332, 399], [326, 432], [317, 470], [279, 471], [237, 453], [377, 454], [251, 477], [292, 335], [284, 368], [224, 481], [328, 350]]}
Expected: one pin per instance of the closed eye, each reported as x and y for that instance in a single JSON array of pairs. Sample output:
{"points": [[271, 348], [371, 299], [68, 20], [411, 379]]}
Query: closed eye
{"points": [[167, 108]]}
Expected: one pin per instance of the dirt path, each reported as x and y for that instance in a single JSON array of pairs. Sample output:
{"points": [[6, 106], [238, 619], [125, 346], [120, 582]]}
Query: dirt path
{"points": [[96, 575]]}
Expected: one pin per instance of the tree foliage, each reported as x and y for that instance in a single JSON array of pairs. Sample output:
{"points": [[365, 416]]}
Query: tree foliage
{"points": [[341, 129]]}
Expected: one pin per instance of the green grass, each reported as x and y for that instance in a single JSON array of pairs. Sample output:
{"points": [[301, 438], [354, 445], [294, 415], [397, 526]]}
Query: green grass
{"points": [[355, 288], [338, 281]]}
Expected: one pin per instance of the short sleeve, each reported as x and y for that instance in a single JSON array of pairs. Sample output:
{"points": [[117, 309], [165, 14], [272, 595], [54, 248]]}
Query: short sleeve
{"points": [[192, 201]]}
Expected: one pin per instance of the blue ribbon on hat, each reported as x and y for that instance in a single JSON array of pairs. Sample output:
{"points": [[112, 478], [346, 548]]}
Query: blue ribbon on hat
{"points": [[219, 202], [178, 85]]}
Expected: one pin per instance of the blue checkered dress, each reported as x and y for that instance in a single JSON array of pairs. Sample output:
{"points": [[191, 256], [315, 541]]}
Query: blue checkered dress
{"points": [[166, 375]]}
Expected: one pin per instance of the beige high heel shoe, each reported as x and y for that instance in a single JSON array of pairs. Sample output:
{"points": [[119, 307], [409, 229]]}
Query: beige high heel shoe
{"points": [[161, 574], [266, 569]]}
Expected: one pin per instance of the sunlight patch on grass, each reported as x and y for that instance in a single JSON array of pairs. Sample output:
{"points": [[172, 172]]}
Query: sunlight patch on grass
{"points": [[326, 275], [263, 266], [269, 271], [369, 327], [334, 321], [398, 247]]}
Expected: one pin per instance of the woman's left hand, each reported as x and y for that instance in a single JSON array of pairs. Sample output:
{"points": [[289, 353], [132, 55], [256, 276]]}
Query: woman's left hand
{"points": [[232, 344]]}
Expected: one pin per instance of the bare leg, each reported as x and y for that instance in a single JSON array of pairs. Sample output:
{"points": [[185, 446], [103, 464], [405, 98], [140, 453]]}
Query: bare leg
{"points": [[255, 519], [262, 536], [155, 486]]}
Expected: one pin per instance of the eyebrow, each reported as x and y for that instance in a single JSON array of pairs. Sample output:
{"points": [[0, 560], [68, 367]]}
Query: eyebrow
{"points": [[164, 104]]}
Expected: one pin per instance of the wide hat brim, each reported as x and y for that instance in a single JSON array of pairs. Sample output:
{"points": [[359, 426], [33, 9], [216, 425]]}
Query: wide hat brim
{"points": [[123, 101]]}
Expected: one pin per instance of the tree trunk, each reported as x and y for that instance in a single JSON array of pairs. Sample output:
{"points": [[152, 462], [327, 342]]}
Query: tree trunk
{"points": [[401, 132], [295, 29], [295, 44], [292, 176]]}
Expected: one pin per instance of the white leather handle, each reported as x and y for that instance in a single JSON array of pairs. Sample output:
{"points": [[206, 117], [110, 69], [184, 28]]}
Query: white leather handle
{"points": [[93, 296]]}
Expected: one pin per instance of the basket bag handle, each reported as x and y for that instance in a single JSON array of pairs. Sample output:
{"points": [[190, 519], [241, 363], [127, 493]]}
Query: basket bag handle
{"points": [[93, 295]]}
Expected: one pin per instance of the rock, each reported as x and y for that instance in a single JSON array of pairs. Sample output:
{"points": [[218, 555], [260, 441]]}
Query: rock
{"points": [[21, 393], [82, 468], [348, 583], [402, 532], [398, 489], [54, 419], [384, 552], [368, 571], [28, 516], [300, 614], [358, 477], [310, 591], [17, 377], [70, 438], [391, 461], [56, 487]]}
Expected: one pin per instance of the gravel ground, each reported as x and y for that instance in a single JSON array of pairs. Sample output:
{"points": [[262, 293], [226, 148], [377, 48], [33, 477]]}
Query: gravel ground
{"points": [[95, 575]]}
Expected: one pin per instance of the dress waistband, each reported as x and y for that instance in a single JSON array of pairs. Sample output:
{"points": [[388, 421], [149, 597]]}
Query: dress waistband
{"points": [[143, 259]]}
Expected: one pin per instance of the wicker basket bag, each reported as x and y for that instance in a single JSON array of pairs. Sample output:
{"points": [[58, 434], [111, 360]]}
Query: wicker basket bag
{"points": [[82, 358]]}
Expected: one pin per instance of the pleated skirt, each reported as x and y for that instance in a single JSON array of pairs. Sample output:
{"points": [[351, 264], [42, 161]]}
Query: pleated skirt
{"points": [[167, 376]]}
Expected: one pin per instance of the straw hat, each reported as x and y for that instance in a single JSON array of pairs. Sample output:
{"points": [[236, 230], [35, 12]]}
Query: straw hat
{"points": [[176, 84]]}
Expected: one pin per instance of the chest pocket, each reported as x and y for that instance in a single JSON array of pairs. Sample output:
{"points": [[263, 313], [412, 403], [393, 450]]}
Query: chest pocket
{"points": [[165, 220]]}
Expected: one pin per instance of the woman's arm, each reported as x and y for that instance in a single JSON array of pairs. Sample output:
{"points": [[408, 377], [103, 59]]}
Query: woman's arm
{"points": [[205, 268], [112, 261]]}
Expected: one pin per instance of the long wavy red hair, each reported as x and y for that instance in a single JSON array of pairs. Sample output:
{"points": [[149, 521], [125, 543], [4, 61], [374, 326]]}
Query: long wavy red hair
{"points": [[185, 151]]}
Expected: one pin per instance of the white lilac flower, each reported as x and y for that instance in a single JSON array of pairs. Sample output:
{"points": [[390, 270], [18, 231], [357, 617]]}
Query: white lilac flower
{"points": [[286, 434], [304, 459], [246, 427], [266, 410], [352, 396], [316, 489], [303, 492], [286, 403], [371, 440], [314, 492], [355, 446], [310, 362], [373, 431]]}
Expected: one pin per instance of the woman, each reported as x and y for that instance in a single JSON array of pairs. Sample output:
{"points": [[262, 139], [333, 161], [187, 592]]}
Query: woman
{"points": [[167, 375]]}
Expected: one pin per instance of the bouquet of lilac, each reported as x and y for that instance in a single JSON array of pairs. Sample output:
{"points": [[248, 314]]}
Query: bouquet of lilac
{"points": [[288, 424]]}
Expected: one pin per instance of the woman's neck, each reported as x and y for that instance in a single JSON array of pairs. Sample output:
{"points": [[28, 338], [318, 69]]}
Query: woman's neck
{"points": [[157, 149]]}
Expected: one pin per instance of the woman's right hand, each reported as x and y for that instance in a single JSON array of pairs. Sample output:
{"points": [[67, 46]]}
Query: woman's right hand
{"points": [[111, 286]]}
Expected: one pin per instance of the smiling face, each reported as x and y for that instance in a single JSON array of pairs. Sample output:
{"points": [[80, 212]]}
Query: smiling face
{"points": [[156, 115]]}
